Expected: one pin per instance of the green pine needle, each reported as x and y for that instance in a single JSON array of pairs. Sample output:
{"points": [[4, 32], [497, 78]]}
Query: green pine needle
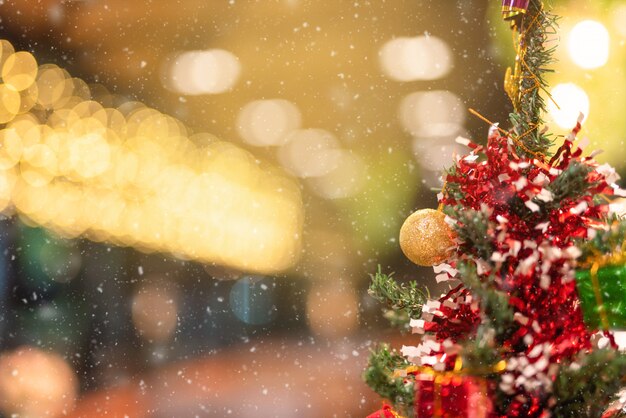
{"points": [[473, 229], [404, 301], [572, 184], [527, 120], [605, 242], [379, 376], [587, 389]]}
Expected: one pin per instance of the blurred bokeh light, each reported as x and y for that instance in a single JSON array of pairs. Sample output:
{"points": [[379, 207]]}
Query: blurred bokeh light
{"points": [[418, 58], [203, 72], [35, 383], [268, 122], [567, 103], [132, 176], [588, 44]]}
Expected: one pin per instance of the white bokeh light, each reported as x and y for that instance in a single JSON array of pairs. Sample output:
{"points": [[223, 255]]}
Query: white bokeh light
{"points": [[418, 58], [432, 113], [436, 153], [347, 179], [267, 122], [310, 153], [203, 72], [588, 44], [571, 101]]}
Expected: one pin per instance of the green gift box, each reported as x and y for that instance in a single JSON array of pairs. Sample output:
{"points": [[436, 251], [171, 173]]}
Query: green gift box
{"points": [[603, 296]]}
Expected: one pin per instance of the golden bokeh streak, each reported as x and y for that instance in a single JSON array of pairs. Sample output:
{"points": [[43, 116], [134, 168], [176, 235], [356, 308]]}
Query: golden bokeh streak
{"points": [[132, 176]]}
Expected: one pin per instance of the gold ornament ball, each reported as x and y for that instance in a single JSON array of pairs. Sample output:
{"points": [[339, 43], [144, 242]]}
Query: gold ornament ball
{"points": [[36, 383], [425, 237]]}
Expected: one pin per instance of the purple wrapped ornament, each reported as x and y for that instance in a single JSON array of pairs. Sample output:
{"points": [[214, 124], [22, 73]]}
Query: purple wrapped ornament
{"points": [[511, 9]]}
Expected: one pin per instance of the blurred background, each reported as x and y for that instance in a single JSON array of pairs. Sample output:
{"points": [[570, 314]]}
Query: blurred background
{"points": [[195, 192]]}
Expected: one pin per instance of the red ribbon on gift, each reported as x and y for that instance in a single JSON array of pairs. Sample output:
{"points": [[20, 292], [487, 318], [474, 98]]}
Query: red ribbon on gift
{"points": [[453, 393], [446, 395], [385, 412]]}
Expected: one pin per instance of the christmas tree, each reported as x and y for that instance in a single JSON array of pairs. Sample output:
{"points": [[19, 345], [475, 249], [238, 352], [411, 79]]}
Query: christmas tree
{"points": [[535, 262]]}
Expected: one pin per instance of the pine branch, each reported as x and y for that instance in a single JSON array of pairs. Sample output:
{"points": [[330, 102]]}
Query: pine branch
{"points": [[494, 303], [605, 242], [572, 184], [527, 120], [404, 301], [453, 189], [588, 389], [379, 376], [473, 229], [480, 352]]}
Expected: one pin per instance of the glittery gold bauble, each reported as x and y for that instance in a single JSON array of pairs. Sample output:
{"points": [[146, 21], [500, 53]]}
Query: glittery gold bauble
{"points": [[36, 383], [425, 237]]}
